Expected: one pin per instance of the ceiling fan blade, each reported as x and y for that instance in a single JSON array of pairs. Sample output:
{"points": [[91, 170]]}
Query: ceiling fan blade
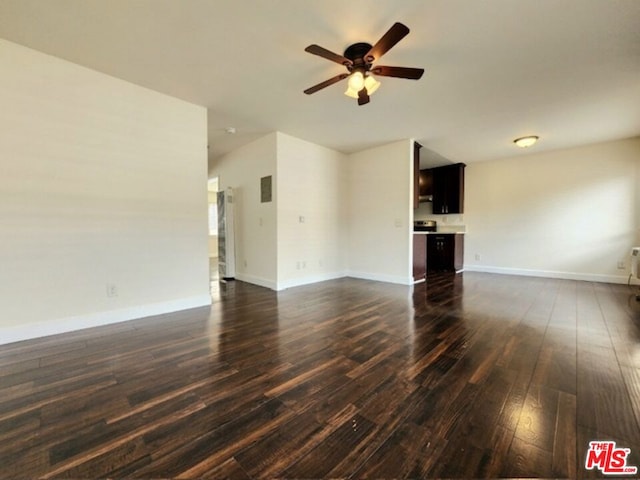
{"points": [[326, 83], [324, 53], [396, 33], [399, 72], [363, 96]]}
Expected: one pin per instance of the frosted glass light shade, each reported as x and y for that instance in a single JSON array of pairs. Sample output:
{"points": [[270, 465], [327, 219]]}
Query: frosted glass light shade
{"points": [[371, 84], [356, 81], [351, 92]]}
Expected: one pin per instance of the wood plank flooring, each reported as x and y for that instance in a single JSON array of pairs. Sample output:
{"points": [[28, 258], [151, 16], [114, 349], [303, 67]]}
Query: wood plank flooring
{"points": [[472, 375]]}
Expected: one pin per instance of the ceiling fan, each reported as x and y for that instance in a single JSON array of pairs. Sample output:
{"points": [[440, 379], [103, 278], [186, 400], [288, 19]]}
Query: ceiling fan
{"points": [[359, 59]]}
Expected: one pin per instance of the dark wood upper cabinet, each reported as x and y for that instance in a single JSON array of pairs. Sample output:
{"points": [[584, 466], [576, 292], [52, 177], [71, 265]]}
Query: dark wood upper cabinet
{"points": [[426, 185], [448, 189], [444, 186]]}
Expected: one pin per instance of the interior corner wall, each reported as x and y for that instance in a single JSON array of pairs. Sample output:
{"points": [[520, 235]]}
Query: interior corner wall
{"points": [[380, 203], [103, 184], [569, 213], [311, 237], [255, 221]]}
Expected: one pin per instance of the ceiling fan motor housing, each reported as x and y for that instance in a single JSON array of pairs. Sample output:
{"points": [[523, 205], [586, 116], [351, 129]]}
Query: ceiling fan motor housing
{"points": [[356, 53]]}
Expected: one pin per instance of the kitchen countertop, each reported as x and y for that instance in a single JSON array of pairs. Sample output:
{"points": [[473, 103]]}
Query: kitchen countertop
{"points": [[438, 233], [445, 228]]}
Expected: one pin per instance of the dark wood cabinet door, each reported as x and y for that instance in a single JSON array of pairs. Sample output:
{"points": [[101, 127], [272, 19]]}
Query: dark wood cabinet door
{"points": [[445, 252], [439, 189], [419, 256], [437, 260], [455, 189], [448, 189]]}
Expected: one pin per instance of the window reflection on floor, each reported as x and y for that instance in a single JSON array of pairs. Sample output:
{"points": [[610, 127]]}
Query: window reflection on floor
{"points": [[214, 278]]}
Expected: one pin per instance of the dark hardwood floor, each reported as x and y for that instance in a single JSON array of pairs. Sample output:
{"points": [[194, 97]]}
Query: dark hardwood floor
{"points": [[474, 375]]}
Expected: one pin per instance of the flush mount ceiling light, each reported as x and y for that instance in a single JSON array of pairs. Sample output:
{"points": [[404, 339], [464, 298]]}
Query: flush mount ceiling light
{"points": [[524, 142]]}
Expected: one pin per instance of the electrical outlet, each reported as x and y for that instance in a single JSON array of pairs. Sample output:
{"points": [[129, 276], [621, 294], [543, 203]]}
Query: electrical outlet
{"points": [[297, 265], [112, 290], [620, 265], [477, 256]]}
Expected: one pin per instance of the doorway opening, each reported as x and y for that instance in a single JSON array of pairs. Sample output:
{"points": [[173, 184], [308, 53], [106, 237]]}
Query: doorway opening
{"points": [[212, 192]]}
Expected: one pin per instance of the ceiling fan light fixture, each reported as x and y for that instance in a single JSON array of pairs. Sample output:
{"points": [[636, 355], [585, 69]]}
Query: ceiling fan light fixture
{"points": [[524, 142], [358, 60], [356, 81], [371, 84]]}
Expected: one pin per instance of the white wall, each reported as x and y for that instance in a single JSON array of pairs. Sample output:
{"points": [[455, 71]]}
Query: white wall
{"points": [[571, 213], [255, 222], [103, 182], [380, 219], [312, 200], [356, 210]]}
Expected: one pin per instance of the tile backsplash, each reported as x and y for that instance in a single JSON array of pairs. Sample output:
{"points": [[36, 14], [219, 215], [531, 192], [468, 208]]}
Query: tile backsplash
{"points": [[446, 223]]}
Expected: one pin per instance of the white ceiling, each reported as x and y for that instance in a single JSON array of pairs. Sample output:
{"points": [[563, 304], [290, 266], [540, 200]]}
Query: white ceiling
{"points": [[566, 70]]}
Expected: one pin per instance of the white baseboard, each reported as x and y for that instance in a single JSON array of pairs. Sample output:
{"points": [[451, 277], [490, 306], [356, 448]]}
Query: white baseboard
{"points": [[298, 282], [588, 277], [408, 280], [295, 282], [261, 282], [80, 322]]}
